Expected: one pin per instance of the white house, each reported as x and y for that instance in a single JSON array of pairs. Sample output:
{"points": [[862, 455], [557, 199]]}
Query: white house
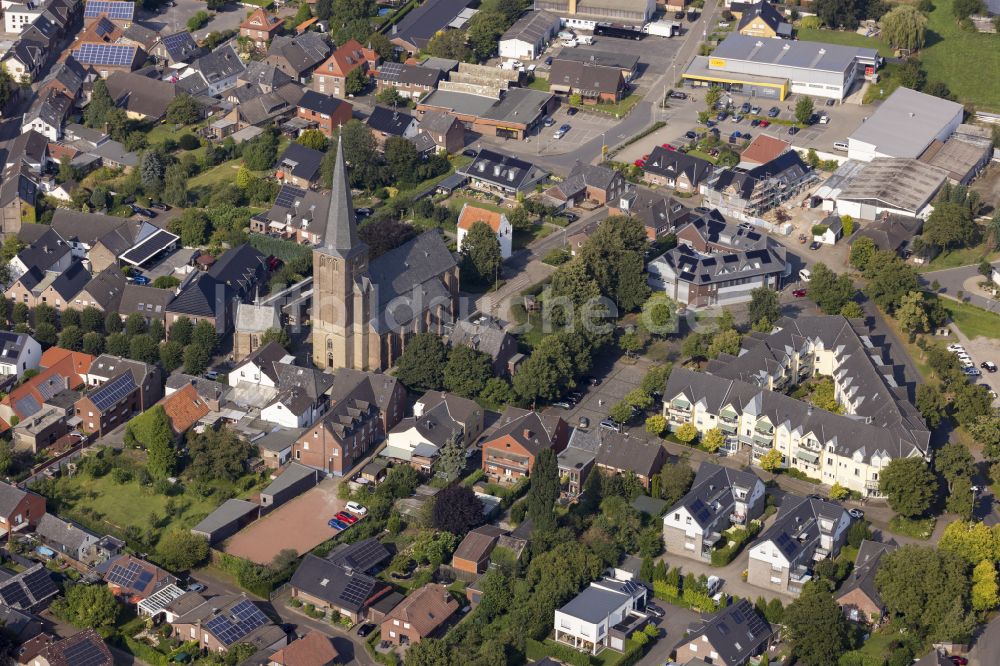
{"points": [[18, 352], [258, 368], [831, 230], [498, 222], [17, 17], [588, 621], [437, 419], [287, 394]]}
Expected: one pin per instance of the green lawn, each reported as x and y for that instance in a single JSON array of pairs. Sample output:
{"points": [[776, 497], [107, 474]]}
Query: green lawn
{"points": [[961, 257], [844, 38], [921, 528], [222, 173], [539, 83], [966, 61], [973, 321], [456, 203]]}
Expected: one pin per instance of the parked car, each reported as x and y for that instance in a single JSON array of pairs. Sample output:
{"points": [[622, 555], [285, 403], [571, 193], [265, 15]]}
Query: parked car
{"points": [[856, 514], [773, 112], [356, 509], [159, 206], [755, 110], [959, 661], [745, 108], [765, 123], [469, 152], [988, 366], [345, 517], [754, 123], [678, 95], [211, 375], [611, 424], [196, 587], [338, 525], [799, 293], [972, 372], [815, 245], [562, 403], [640, 163], [572, 217], [548, 61], [830, 102], [955, 347], [571, 111], [678, 16], [720, 116], [140, 280], [690, 135], [549, 121], [667, 146], [654, 610], [593, 381], [369, 627], [714, 584], [792, 131]]}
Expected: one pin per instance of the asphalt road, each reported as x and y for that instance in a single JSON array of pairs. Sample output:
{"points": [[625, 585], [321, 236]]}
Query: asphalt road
{"points": [[952, 280], [986, 650]]}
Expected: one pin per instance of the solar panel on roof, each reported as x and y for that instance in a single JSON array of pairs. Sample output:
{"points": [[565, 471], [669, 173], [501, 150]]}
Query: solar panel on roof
{"points": [[51, 386], [85, 653], [120, 55], [104, 27], [144, 579], [179, 42], [240, 621], [14, 595], [115, 9], [40, 584], [114, 391], [141, 253], [756, 623], [287, 196], [27, 405]]}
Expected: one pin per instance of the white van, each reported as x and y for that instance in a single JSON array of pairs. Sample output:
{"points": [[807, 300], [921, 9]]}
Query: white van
{"points": [[804, 275], [841, 146], [714, 584]]}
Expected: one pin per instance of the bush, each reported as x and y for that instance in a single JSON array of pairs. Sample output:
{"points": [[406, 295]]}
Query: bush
{"points": [[737, 539]]}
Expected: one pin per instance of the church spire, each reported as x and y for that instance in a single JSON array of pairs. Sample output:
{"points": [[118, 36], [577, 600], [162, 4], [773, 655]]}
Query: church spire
{"points": [[341, 234]]}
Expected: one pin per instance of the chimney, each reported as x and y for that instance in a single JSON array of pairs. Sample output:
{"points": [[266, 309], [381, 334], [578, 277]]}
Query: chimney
{"points": [[418, 409], [528, 434]]}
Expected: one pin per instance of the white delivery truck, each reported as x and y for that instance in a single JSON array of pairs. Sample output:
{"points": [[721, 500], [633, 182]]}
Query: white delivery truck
{"points": [[661, 28]]}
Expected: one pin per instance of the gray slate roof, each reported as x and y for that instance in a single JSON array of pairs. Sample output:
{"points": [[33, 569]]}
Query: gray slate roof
{"points": [[736, 632], [865, 567], [712, 493], [10, 497], [798, 54]]}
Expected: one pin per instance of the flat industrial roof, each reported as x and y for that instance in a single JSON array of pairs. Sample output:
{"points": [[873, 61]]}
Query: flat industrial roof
{"points": [[699, 69], [906, 184], [518, 106], [787, 53], [906, 123]]}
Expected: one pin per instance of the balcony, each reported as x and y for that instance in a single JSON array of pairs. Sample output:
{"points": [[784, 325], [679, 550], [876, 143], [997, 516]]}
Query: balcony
{"points": [[727, 428], [799, 574], [820, 554], [762, 438], [759, 450]]}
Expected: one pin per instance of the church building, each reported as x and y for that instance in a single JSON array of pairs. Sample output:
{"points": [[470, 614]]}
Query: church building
{"points": [[363, 312]]}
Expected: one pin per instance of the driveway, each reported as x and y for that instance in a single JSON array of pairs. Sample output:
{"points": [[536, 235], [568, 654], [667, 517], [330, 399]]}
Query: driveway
{"points": [[174, 19], [986, 649], [963, 278], [672, 627]]}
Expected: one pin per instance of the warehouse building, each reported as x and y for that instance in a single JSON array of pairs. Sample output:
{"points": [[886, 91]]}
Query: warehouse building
{"points": [[775, 68], [585, 14], [899, 187], [512, 115], [904, 126], [530, 34]]}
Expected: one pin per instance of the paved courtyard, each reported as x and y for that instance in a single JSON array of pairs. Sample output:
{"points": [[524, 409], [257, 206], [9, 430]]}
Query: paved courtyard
{"points": [[299, 524]]}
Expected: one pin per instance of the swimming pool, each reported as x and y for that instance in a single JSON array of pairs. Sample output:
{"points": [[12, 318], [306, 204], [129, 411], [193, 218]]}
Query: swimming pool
{"points": [[45, 551], [382, 11]]}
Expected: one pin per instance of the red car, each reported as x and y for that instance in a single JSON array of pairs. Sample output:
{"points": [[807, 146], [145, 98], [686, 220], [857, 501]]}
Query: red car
{"points": [[667, 146], [959, 661], [765, 123], [799, 293], [640, 163], [347, 518]]}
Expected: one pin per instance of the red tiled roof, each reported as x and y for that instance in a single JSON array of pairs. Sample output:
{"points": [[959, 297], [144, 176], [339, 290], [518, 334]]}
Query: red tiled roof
{"points": [[184, 408], [472, 214], [313, 649]]}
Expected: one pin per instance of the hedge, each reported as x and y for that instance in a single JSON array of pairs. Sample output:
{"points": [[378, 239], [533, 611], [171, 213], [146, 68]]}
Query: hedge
{"points": [[536, 651], [737, 539]]}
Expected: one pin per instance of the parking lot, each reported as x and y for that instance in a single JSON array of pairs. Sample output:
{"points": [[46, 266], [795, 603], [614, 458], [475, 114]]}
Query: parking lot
{"points": [[299, 524]]}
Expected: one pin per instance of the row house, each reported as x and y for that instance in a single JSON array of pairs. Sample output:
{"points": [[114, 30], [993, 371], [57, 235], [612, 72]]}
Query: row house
{"points": [[410, 81], [261, 27], [331, 77]]}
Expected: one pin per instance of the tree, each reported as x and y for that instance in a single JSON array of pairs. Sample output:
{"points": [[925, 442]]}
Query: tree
{"points": [[908, 485], [904, 27], [862, 251], [949, 226], [449, 44], [93, 343], [390, 96], [764, 307], [725, 342], [852, 310], [361, 154], [985, 593], [71, 338], [686, 433], [931, 405], [839, 492], [963, 9], [712, 96], [890, 278], [151, 430], [630, 343], [88, 606], [451, 457], [180, 331], [543, 491], [674, 481], [203, 335], [313, 138], [481, 253], [467, 371], [656, 424], [971, 541], [457, 510], [356, 81], [46, 334], [496, 392], [613, 258], [484, 32], [912, 314], [218, 454], [771, 461], [713, 440], [175, 186], [260, 152], [971, 401], [101, 103], [152, 171], [804, 110], [828, 290], [143, 348], [384, 234], [841, 13], [171, 355], [401, 159], [196, 360], [954, 462], [183, 110], [655, 379], [985, 429], [620, 412], [816, 625], [421, 366], [920, 585], [116, 344], [659, 316], [180, 550]]}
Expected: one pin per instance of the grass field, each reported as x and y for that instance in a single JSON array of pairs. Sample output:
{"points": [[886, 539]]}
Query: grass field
{"points": [[844, 38], [973, 321], [961, 257], [966, 61]]}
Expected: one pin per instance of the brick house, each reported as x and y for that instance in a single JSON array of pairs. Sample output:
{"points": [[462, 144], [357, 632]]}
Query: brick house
{"points": [[419, 615], [325, 111], [473, 555], [509, 453], [19, 508], [445, 130], [410, 81], [363, 407], [859, 597], [588, 182], [714, 639], [594, 83], [110, 405], [670, 168], [330, 77], [261, 27], [222, 621]]}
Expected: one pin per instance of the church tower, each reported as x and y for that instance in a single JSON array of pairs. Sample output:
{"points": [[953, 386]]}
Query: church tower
{"points": [[341, 306]]}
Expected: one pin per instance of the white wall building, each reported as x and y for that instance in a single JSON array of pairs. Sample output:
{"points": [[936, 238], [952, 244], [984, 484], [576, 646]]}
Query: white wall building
{"points": [[498, 222], [17, 17], [528, 37], [588, 621], [18, 352], [904, 125]]}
